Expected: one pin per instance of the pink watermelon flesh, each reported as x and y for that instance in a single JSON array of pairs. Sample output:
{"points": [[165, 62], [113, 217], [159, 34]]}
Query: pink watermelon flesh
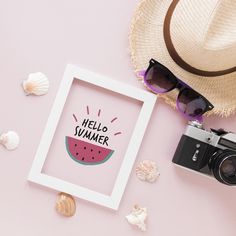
{"points": [[87, 153]]}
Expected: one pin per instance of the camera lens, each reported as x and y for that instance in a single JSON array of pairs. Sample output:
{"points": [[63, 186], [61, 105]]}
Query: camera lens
{"points": [[223, 166], [228, 168]]}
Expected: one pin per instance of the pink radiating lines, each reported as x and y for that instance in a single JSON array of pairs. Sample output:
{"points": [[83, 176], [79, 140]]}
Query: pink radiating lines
{"points": [[99, 112], [75, 118], [113, 119], [117, 133]]}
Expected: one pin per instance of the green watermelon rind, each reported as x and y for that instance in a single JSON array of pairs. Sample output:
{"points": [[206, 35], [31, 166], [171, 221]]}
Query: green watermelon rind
{"points": [[86, 163]]}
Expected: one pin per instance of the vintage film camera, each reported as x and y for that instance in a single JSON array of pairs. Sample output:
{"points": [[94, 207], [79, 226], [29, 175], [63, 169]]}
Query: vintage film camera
{"points": [[209, 152]]}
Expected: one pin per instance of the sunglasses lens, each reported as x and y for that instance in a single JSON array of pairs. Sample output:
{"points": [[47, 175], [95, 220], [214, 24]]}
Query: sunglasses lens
{"points": [[191, 103], [159, 79]]}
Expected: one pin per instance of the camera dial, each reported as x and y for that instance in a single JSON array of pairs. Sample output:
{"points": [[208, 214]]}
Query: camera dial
{"points": [[196, 124]]}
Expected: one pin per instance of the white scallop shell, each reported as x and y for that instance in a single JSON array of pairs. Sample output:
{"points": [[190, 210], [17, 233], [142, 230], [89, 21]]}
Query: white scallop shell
{"points": [[138, 217], [37, 84], [65, 205], [10, 140], [147, 171]]}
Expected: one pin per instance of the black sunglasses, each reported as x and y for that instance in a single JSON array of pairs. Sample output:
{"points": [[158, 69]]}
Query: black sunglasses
{"points": [[160, 79]]}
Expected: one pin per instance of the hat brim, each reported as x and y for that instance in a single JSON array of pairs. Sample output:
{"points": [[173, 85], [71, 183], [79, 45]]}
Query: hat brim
{"points": [[147, 41]]}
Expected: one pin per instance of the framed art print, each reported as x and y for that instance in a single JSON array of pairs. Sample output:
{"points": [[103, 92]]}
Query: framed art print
{"points": [[92, 137]]}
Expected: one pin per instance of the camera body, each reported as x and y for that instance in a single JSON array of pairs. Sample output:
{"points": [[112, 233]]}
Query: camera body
{"points": [[209, 152]]}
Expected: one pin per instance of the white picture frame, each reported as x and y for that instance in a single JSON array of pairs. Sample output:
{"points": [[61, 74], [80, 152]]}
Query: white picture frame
{"points": [[111, 201]]}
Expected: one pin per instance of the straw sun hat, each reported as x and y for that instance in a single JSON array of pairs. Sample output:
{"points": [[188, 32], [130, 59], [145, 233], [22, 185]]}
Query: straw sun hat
{"points": [[196, 40]]}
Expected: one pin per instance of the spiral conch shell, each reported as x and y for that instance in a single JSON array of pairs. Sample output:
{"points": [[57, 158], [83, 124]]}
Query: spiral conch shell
{"points": [[36, 84], [65, 205], [147, 171], [138, 217], [10, 140]]}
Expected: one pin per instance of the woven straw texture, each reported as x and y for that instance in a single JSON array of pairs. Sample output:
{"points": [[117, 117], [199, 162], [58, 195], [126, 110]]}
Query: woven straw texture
{"points": [[146, 42]]}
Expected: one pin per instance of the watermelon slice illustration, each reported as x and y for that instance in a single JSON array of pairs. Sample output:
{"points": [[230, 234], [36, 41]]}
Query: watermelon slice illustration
{"points": [[87, 153]]}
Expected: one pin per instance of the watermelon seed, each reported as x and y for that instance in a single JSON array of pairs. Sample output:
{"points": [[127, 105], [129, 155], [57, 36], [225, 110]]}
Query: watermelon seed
{"points": [[77, 153], [92, 157], [84, 147], [91, 150], [83, 159], [99, 151], [75, 145]]}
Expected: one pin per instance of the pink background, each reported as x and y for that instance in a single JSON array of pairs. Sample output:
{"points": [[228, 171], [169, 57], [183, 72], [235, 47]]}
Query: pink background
{"points": [[45, 36]]}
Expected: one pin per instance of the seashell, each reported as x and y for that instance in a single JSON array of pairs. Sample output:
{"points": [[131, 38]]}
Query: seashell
{"points": [[138, 217], [65, 205], [37, 84], [147, 171], [10, 140]]}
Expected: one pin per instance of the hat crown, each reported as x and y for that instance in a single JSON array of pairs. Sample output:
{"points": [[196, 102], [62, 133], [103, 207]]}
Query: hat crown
{"points": [[203, 33], [221, 29]]}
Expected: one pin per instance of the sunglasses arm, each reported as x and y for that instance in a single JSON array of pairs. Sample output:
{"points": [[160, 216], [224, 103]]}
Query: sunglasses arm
{"points": [[141, 73]]}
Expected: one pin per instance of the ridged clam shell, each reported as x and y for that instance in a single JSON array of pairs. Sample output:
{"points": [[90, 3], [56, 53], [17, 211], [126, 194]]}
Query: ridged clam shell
{"points": [[65, 205], [10, 140], [138, 217], [147, 171], [37, 84]]}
